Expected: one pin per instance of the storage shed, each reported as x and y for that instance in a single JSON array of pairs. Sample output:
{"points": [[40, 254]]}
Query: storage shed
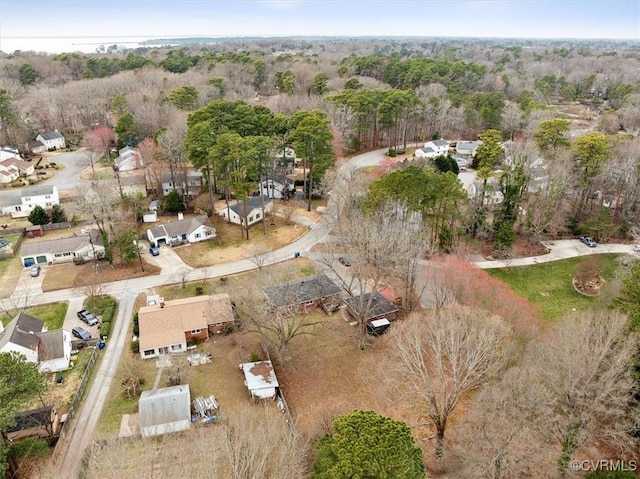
{"points": [[165, 410], [260, 379]]}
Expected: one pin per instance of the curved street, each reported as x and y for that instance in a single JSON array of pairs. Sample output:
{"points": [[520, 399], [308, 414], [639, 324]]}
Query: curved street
{"points": [[68, 454]]}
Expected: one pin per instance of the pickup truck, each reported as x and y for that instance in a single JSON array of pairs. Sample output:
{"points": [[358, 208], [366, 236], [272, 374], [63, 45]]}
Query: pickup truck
{"points": [[88, 317]]}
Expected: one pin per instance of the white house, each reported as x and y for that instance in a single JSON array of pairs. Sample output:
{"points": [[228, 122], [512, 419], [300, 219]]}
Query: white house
{"points": [[63, 250], [467, 148], [164, 410], [187, 183], [128, 159], [247, 212], [8, 152], [189, 230], [28, 336], [44, 196], [432, 149], [12, 168], [281, 188], [260, 379], [52, 140]]}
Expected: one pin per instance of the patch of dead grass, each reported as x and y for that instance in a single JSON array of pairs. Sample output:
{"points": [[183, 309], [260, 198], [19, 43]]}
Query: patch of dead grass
{"points": [[90, 274]]}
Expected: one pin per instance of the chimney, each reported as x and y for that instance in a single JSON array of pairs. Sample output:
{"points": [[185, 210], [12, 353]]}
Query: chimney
{"points": [[161, 302], [180, 216]]}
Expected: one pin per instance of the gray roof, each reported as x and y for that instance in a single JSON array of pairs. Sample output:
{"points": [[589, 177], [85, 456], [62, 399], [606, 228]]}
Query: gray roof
{"points": [[22, 331], [245, 207], [62, 245], [440, 142], [301, 290], [51, 135], [51, 345], [165, 409], [178, 228], [37, 190], [380, 305]]}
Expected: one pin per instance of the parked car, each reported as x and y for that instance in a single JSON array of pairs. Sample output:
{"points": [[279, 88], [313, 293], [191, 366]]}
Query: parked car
{"points": [[589, 241], [154, 250], [35, 271], [88, 317], [344, 260], [81, 333]]}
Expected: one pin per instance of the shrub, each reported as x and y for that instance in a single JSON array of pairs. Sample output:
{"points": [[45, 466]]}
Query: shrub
{"points": [[135, 347], [255, 357], [105, 328], [393, 153], [199, 291]]}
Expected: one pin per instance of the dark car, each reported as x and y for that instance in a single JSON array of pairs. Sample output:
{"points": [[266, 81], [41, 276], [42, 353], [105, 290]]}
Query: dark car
{"points": [[88, 317], [344, 260], [81, 333], [154, 250], [35, 271], [589, 241]]}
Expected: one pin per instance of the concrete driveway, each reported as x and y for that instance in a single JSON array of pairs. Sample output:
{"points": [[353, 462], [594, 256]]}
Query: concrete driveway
{"points": [[29, 286], [168, 260]]}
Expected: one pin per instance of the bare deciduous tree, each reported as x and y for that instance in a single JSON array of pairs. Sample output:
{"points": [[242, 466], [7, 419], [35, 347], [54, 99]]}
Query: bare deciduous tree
{"points": [[585, 383], [383, 244], [435, 361], [500, 436]]}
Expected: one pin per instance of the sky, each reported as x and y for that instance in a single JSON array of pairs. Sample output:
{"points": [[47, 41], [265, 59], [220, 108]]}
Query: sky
{"points": [[65, 25]]}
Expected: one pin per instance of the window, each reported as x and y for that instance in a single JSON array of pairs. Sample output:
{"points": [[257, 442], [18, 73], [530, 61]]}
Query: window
{"points": [[47, 197], [195, 331], [18, 208], [28, 198], [48, 204], [250, 218], [197, 235], [149, 352], [176, 347], [308, 303], [257, 216]]}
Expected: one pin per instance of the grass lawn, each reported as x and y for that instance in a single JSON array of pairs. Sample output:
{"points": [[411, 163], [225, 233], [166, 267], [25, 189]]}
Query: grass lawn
{"points": [[52, 314], [549, 285]]}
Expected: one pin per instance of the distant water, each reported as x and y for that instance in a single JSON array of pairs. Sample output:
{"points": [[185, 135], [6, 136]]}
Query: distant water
{"points": [[67, 44]]}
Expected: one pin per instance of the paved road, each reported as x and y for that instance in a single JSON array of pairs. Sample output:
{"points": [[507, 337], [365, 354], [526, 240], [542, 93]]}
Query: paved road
{"points": [[68, 457], [67, 179]]}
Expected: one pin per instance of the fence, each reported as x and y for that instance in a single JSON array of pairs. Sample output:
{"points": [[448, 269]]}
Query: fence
{"points": [[78, 396], [281, 398], [65, 224]]}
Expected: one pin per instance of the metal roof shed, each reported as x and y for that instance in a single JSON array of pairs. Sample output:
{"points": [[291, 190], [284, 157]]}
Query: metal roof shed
{"points": [[260, 379], [165, 410]]}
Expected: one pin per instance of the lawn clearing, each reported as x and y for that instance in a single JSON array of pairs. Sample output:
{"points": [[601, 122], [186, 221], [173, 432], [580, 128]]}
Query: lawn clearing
{"points": [[91, 274], [549, 286], [52, 315], [229, 246], [10, 270]]}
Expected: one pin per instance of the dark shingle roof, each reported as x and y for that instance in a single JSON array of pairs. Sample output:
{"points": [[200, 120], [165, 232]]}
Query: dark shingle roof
{"points": [[380, 305], [30, 419], [22, 331], [51, 135], [51, 345], [245, 207], [301, 290]]}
